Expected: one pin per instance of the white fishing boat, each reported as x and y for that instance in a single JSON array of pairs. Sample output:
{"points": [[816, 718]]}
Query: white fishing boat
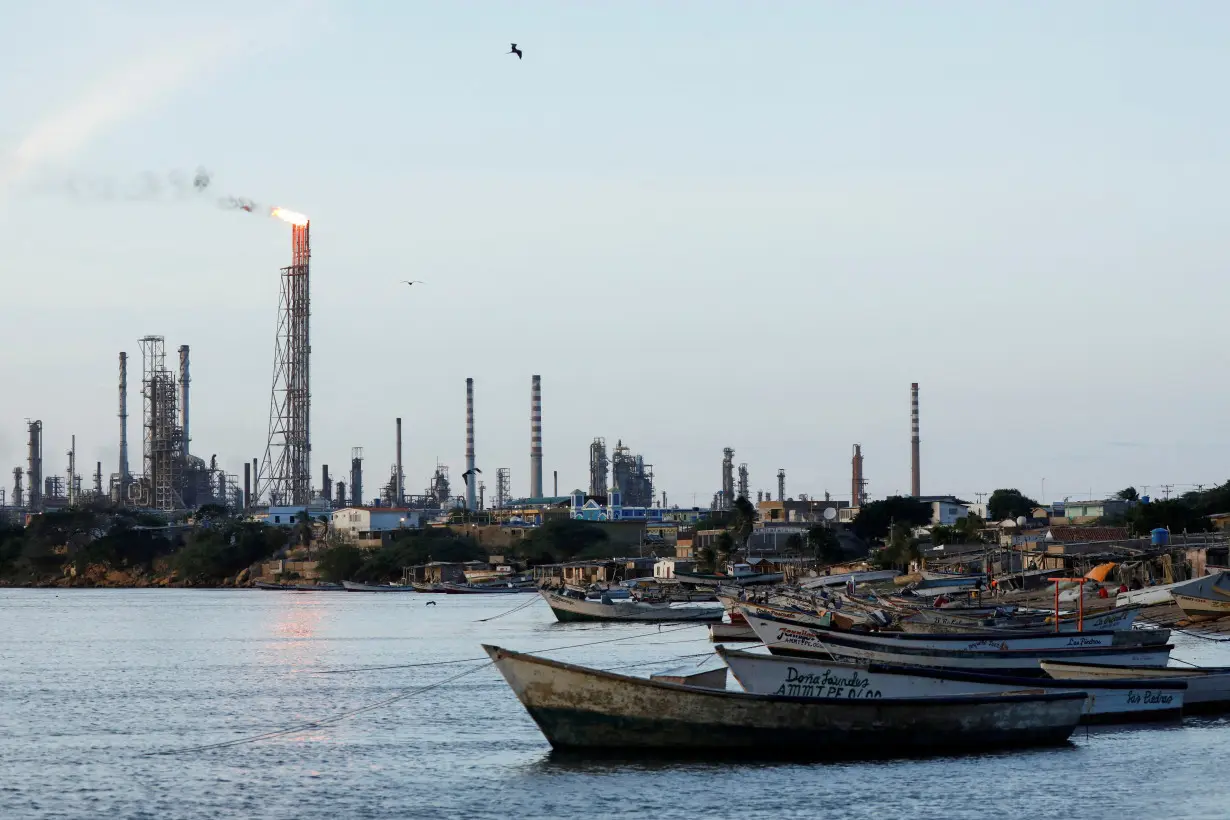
{"points": [[355, 586], [601, 713], [791, 639], [1004, 641], [568, 609], [1149, 596], [1108, 700], [1117, 619], [873, 576], [1208, 687]]}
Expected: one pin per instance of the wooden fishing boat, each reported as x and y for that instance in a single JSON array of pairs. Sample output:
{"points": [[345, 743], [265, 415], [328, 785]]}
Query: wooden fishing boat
{"points": [[791, 639], [738, 580], [484, 589], [1204, 599], [941, 621], [1109, 701], [732, 632], [822, 619], [425, 586], [1208, 687], [568, 609], [690, 676], [971, 578], [594, 712], [988, 641], [861, 577], [1149, 596], [355, 586]]}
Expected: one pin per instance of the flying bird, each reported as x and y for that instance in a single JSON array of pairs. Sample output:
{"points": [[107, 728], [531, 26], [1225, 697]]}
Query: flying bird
{"points": [[466, 475], [412, 282], [516, 51]]}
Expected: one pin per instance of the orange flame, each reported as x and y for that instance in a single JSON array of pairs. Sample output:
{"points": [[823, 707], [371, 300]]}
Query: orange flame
{"points": [[289, 216]]}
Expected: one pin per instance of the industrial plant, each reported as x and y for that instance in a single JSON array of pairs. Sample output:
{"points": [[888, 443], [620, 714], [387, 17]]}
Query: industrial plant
{"points": [[173, 480]]}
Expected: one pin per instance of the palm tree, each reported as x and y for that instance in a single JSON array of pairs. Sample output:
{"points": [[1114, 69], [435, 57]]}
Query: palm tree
{"points": [[743, 520]]}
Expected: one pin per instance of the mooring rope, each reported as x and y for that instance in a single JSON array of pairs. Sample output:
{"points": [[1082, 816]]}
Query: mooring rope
{"points": [[315, 724], [517, 608]]}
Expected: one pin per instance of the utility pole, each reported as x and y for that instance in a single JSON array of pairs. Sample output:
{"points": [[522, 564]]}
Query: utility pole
{"points": [[1166, 489]]}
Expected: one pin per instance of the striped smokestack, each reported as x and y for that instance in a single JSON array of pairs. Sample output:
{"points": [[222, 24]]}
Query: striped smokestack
{"points": [[915, 474], [472, 479], [536, 437]]}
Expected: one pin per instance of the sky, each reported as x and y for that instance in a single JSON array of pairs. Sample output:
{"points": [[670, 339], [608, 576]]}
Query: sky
{"points": [[705, 224]]}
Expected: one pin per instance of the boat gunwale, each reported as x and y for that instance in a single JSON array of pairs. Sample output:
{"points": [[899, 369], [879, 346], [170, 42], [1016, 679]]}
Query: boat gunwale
{"points": [[952, 636], [497, 653], [961, 676]]}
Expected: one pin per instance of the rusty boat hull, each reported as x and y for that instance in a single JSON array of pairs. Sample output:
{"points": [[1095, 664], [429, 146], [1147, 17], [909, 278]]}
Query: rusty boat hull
{"points": [[601, 713]]}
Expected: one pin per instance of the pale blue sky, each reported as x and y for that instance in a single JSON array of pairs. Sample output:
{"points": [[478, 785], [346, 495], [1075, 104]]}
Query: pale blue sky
{"points": [[705, 224]]}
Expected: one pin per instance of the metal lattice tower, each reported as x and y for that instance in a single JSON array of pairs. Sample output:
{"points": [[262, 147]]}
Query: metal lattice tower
{"points": [[286, 471], [781, 484], [743, 479], [503, 487], [18, 497], [161, 436], [598, 468]]}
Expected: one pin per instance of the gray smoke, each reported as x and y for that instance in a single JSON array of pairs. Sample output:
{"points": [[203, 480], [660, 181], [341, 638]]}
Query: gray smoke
{"points": [[149, 186]]}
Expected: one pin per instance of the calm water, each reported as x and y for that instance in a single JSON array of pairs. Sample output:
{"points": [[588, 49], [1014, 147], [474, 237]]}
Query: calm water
{"points": [[91, 681]]}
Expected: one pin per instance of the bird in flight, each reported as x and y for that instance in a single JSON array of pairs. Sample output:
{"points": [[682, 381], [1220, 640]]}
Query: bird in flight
{"points": [[516, 51], [466, 475], [412, 282]]}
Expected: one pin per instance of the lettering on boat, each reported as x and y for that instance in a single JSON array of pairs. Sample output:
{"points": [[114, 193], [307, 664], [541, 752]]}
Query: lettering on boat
{"points": [[1154, 697], [787, 635], [989, 643], [1084, 641], [826, 685]]}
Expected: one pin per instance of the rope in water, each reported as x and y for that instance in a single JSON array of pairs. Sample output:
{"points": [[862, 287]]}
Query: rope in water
{"points": [[315, 724], [517, 608], [470, 660]]}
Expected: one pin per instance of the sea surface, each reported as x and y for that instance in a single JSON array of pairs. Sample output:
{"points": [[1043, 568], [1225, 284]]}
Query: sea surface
{"points": [[96, 686]]}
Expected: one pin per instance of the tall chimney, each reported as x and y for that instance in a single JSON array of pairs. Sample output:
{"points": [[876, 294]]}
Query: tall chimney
{"points": [[326, 488], [856, 477], [356, 476], [183, 398], [35, 463], [915, 474], [340, 495], [123, 489], [256, 483], [555, 484], [399, 494], [70, 491], [247, 485], [98, 480], [781, 483], [472, 477], [536, 437]]}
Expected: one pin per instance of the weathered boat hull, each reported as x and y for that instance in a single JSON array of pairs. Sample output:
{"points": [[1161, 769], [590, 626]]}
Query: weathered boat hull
{"points": [[867, 577], [790, 639], [354, 586], [942, 621], [732, 632], [736, 580], [570, 610], [594, 712], [1202, 609], [1109, 701], [1208, 687]]}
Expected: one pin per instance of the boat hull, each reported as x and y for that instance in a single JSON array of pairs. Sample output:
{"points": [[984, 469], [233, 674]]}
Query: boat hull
{"points": [[1109, 701], [596, 712], [571, 610], [1201, 609], [1208, 688], [354, 586], [790, 639]]}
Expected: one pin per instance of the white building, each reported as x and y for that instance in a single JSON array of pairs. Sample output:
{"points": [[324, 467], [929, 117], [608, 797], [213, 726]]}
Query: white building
{"points": [[667, 567], [367, 522], [947, 511], [288, 516]]}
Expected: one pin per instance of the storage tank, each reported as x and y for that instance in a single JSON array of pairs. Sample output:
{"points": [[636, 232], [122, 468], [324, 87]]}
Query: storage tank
{"points": [[1160, 537]]}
